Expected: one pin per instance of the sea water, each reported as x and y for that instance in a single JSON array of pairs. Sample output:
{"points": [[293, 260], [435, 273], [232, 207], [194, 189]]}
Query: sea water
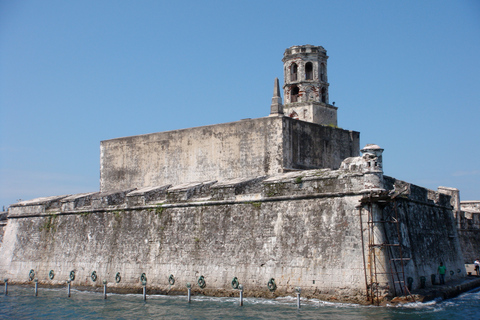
{"points": [[21, 303]]}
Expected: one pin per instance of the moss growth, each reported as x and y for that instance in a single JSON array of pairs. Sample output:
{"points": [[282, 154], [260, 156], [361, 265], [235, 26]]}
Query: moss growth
{"points": [[298, 180], [274, 189], [331, 125], [159, 211], [49, 224], [322, 173], [256, 204]]}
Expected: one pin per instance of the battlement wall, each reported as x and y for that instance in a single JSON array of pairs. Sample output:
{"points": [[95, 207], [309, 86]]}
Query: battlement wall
{"points": [[300, 228]]}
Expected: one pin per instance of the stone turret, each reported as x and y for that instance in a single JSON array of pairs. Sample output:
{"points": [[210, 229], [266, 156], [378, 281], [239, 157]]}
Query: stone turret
{"points": [[372, 154], [306, 85], [372, 157], [370, 164]]}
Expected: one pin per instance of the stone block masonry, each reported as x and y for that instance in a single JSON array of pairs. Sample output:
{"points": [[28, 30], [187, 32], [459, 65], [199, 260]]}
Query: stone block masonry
{"points": [[302, 229], [247, 148], [468, 223]]}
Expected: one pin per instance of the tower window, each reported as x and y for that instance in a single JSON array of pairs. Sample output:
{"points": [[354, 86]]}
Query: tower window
{"points": [[294, 94], [293, 72], [322, 72], [309, 71], [324, 95]]}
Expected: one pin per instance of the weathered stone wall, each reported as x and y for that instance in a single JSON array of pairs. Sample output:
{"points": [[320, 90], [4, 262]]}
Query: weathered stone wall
{"points": [[467, 219], [470, 243], [473, 206], [428, 231], [469, 230], [300, 228], [309, 145], [3, 223], [224, 151], [240, 149]]}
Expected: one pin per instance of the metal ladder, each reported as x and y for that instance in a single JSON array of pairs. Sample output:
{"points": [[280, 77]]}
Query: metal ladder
{"points": [[396, 261]]}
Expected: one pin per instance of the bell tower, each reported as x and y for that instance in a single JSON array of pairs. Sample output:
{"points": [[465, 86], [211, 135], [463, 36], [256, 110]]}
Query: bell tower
{"points": [[305, 89]]}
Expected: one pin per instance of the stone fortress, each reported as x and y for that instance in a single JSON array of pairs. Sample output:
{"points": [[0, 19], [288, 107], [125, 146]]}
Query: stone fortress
{"points": [[273, 203]]}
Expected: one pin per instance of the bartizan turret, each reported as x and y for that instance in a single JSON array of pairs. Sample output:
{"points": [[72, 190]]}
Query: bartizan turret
{"points": [[372, 157], [370, 163]]}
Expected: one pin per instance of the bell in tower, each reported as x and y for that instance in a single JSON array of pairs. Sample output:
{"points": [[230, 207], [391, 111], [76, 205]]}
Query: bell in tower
{"points": [[305, 89]]}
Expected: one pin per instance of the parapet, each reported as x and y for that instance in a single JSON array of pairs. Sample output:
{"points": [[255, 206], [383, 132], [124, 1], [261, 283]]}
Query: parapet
{"points": [[308, 48], [416, 193], [302, 184]]}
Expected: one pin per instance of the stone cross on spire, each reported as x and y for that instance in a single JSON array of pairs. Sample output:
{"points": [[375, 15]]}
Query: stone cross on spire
{"points": [[276, 109]]}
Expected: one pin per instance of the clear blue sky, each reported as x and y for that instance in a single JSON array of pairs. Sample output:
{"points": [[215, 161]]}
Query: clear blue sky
{"points": [[406, 74]]}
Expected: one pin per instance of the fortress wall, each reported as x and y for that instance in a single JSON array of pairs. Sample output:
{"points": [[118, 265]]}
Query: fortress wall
{"points": [[473, 206], [470, 244], [295, 243], [300, 228], [428, 231], [224, 151], [293, 233], [246, 148], [308, 145], [469, 230]]}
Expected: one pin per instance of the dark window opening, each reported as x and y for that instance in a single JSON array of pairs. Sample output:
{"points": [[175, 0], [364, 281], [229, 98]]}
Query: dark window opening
{"points": [[293, 72], [309, 71], [294, 94], [322, 72], [324, 95]]}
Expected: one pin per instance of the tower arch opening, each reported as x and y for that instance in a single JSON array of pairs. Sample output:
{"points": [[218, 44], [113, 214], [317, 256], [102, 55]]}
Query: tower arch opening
{"points": [[308, 71], [294, 94], [324, 95], [293, 72]]}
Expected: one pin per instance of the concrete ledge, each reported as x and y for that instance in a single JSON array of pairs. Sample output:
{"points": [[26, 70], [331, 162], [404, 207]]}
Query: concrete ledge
{"points": [[449, 290]]}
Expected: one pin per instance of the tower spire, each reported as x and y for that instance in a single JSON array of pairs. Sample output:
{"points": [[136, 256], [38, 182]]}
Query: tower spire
{"points": [[276, 108]]}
